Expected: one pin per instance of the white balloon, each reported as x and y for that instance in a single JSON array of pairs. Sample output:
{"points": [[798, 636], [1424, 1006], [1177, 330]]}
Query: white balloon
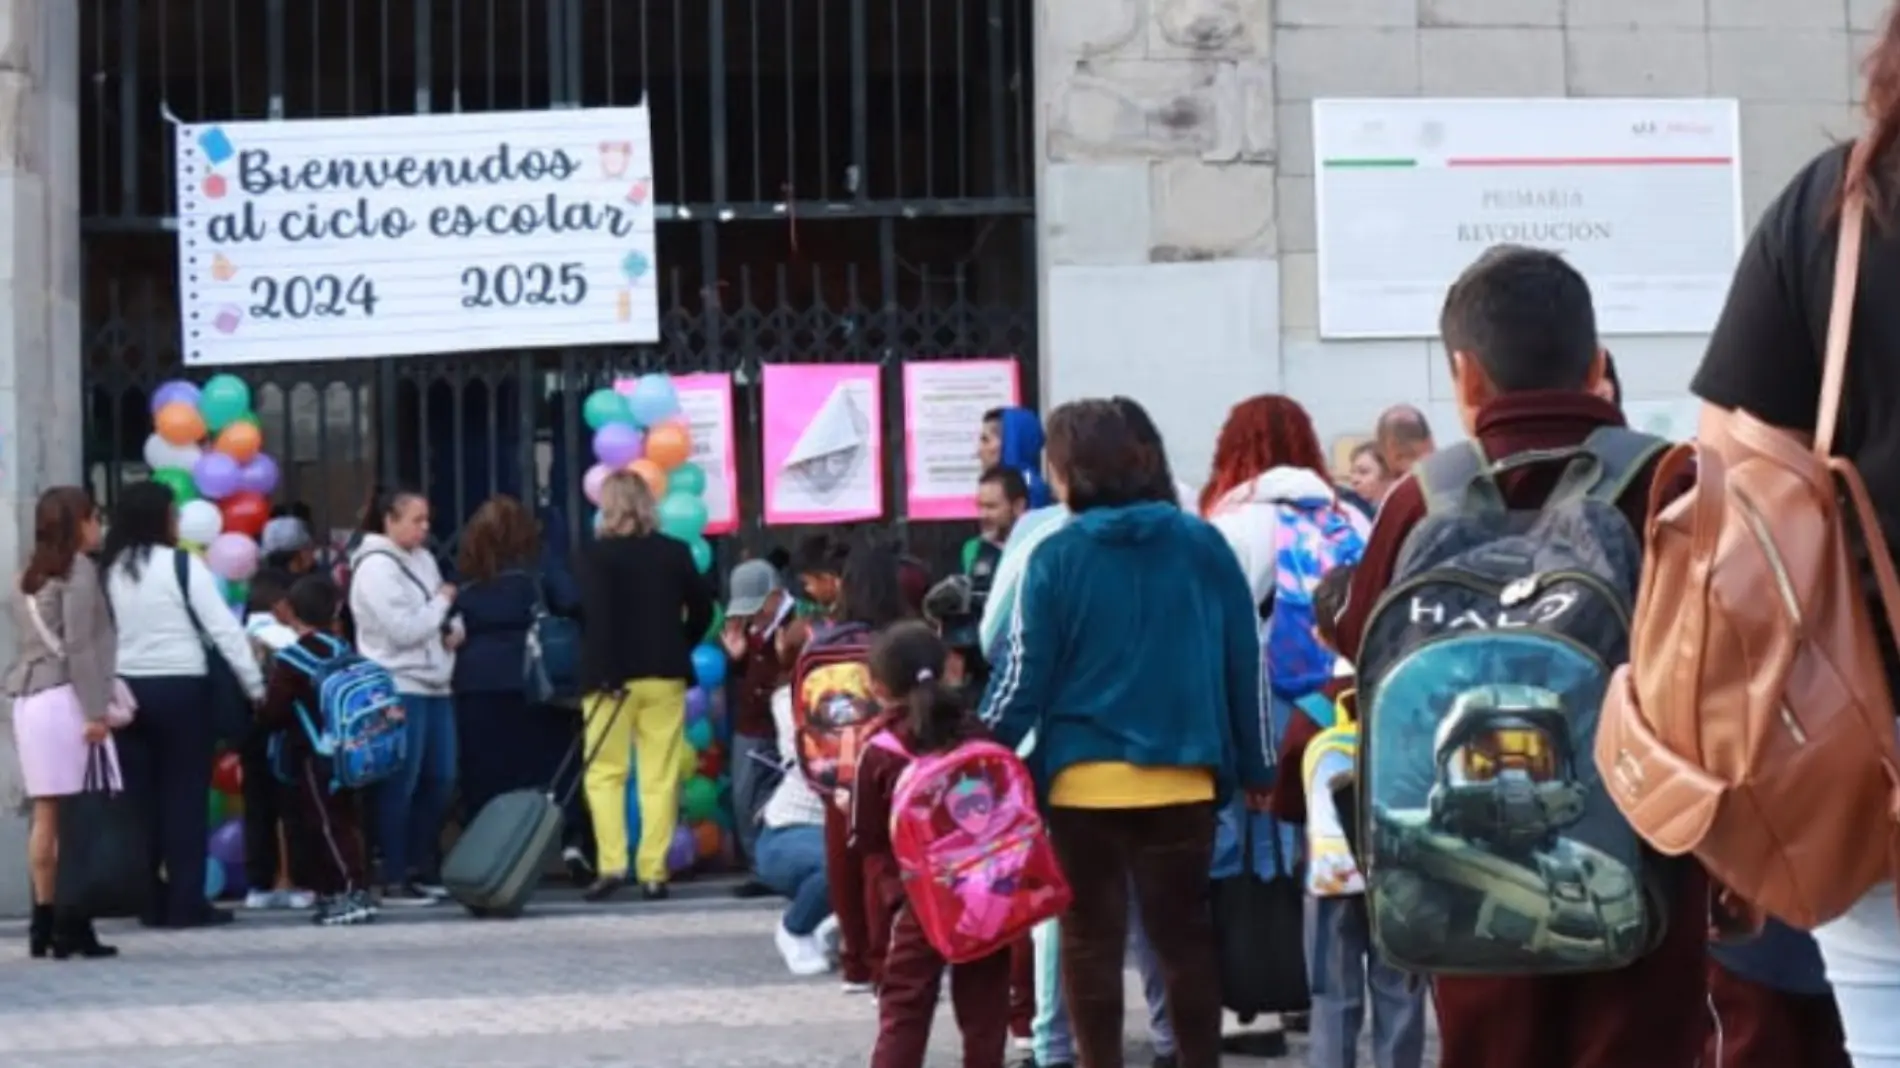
{"points": [[200, 522], [161, 453]]}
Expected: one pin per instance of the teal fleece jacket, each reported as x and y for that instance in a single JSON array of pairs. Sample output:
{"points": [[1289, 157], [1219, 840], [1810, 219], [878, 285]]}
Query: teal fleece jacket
{"points": [[1135, 640]]}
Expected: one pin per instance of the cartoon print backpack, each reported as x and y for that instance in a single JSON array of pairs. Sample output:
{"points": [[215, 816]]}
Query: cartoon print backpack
{"points": [[1489, 843], [358, 729], [833, 710], [1326, 770], [1310, 540], [971, 847]]}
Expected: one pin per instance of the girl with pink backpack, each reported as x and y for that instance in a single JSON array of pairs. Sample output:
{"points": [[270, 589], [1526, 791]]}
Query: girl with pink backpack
{"points": [[947, 823]]}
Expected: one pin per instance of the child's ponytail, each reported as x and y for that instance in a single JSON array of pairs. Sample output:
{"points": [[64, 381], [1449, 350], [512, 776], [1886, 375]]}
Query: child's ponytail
{"points": [[907, 662]]}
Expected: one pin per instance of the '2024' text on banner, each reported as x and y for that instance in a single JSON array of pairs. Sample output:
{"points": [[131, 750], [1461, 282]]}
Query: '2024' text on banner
{"points": [[824, 443], [1642, 196], [944, 402], [706, 405], [334, 238]]}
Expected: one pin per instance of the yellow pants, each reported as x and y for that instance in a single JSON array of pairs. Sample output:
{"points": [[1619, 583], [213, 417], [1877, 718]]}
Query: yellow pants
{"points": [[650, 727]]}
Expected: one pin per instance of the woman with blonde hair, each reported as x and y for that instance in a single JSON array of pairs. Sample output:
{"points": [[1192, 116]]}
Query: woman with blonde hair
{"points": [[61, 684], [643, 607]]}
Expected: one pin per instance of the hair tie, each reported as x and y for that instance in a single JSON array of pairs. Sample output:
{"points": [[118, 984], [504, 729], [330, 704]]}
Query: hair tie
{"points": [[925, 674]]}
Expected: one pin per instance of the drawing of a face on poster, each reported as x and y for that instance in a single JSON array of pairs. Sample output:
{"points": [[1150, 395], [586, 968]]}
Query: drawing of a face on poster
{"points": [[835, 446]]}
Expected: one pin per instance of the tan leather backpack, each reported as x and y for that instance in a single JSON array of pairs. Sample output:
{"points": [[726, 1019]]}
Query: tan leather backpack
{"points": [[1754, 726]]}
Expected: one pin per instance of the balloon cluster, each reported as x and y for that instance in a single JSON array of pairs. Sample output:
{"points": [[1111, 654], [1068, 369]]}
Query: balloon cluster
{"points": [[224, 852], [206, 447], [705, 832], [645, 433]]}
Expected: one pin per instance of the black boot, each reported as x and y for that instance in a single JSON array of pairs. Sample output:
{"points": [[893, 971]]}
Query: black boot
{"points": [[39, 937], [73, 936]]}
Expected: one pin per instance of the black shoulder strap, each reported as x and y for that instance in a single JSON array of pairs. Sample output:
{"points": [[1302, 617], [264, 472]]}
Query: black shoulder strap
{"points": [[181, 569], [400, 566]]}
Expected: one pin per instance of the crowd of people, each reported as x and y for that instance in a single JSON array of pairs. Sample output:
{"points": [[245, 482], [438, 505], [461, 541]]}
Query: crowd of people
{"points": [[1183, 678]]}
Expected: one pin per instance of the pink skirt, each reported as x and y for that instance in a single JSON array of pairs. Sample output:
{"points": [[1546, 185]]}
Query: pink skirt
{"points": [[49, 734]]}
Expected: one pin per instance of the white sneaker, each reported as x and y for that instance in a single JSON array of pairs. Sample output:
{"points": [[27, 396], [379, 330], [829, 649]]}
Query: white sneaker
{"points": [[297, 900], [1023, 1043], [802, 953], [828, 937], [858, 988], [262, 900]]}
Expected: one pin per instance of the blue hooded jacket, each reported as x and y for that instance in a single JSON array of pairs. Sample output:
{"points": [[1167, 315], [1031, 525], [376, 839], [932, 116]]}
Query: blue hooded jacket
{"points": [[1135, 640], [1021, 434]]}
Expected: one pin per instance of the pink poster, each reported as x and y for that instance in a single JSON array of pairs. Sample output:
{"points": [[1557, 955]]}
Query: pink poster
{"points": [[706, 404], [824, 443], [944, 402]]}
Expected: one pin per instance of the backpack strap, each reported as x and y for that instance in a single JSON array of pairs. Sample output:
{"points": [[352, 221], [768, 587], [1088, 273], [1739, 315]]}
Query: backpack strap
{"points": [[1624, 454], [1318, 709], [1455, 477]]}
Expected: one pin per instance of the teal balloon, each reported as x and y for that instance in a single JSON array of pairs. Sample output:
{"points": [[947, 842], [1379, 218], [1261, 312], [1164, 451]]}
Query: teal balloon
{"points": [[225, 400], [605, 406], [718, 623], [699, 734], [683, 515], [699, 799], [702, 553], [688, 478]]}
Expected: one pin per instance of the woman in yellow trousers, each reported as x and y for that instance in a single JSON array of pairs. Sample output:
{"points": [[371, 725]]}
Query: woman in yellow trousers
{"points": [[644, 605]]}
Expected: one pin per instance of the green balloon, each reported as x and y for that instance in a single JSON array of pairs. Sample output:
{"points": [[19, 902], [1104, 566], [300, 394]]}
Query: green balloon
{"points": [[682, 515], [702, 553], [224, 401], [718, 623], [216, 809], [179, 481], [605, 406], [688, 478], [699, 799]]}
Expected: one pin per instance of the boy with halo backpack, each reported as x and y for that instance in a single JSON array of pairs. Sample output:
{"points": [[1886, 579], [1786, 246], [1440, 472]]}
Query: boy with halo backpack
{"points": [[948, 823]]}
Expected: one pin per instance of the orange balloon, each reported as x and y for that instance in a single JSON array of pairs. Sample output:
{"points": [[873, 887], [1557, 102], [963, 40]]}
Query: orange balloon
{"points": [[669, 445], [241, 441], [179, 423], [652, 474], [706, 835]]}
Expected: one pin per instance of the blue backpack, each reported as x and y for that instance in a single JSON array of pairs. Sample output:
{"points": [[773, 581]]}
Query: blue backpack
{"points": [[1310, 539], [358, 729]]}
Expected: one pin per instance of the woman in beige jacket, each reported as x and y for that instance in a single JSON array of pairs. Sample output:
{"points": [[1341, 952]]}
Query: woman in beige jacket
{"points": [[61, 685]]}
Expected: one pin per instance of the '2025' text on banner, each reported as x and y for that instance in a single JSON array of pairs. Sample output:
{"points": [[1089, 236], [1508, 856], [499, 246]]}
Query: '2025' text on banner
{"points": [[398, 235], [1642, 196]]}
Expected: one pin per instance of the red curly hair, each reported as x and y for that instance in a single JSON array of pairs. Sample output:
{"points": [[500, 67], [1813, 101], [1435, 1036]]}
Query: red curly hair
{"points": [[1262, 433]]}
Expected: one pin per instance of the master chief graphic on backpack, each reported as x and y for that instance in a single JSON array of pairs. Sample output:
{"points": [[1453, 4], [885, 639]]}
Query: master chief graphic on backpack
{"points": [[1491, 846], [357, 727]]}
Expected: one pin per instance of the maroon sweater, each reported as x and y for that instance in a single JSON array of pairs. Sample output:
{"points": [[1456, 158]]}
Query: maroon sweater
{"points": [[1648, 1015]]}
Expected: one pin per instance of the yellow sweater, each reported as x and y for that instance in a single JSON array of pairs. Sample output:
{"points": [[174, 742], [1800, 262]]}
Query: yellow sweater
{"points": [[1112, 784]]}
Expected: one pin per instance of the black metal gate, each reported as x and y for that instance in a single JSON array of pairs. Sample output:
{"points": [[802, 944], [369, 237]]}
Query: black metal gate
{"points": [[836, 181]]}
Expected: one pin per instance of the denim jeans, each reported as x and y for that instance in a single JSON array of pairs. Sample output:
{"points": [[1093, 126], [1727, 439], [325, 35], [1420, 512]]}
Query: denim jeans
{"points": [[411, 806], [1053, 1042], [1340, 967], [1862, 953], [791, 860]]}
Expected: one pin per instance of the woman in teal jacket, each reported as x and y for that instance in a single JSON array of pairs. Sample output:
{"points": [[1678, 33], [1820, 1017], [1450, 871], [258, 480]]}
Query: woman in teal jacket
{"points": [[1134, 657]]}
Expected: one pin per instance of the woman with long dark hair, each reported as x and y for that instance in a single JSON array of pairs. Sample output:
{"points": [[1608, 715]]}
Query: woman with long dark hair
{"points": [[61, 685], [1136, 663], [171, 620]]}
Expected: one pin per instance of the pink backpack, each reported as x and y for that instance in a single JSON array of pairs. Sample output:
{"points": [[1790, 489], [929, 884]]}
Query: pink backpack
{"points": [[977, 866]]}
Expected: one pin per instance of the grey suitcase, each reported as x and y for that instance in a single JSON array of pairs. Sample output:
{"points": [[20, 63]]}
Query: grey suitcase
{"points": [[497, 864]]}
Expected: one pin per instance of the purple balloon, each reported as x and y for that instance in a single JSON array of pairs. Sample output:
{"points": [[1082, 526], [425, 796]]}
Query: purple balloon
{"points": [[227, 844], [258, 476], [232, 556], [216, 474], [697, 705], [174, 391], [616, 445], [235, 884], [683, 852]]}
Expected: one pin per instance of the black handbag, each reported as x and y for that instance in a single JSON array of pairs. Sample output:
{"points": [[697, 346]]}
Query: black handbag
{"points": [[230, 708], [104, 866], [1260, 925]]}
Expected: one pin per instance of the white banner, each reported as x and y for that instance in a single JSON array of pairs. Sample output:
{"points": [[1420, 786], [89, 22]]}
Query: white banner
{"points": [[334, 238], [1643, 196]]}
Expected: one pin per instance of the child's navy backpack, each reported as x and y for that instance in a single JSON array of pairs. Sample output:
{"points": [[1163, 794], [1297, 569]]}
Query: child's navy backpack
{"points": [[357, 729]]}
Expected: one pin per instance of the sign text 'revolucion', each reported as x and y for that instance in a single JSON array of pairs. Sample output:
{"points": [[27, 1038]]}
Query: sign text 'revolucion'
{"points": [[399, 235]]}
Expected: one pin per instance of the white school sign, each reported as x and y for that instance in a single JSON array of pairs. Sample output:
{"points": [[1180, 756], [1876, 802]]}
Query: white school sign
{"points": [[334, 238], [1643, 196]]}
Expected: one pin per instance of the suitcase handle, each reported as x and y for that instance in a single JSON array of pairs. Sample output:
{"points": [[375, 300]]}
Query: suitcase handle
{"points": [[567, 797]]}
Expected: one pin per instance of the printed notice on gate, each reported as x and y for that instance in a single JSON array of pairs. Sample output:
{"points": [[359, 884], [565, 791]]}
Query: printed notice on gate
{"points": [[944, 402], [336, 238]]}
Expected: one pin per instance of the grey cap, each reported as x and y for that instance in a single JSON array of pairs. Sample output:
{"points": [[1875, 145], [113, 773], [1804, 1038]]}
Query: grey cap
{"points": [[749, 585]]}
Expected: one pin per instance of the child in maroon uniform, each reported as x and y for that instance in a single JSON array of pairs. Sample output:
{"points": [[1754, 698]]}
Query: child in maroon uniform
{"points": [[907, 667], [324, 828]]}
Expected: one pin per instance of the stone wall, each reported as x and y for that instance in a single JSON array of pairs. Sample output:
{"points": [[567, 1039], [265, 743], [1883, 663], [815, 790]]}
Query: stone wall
{"points": [[1179, 170], [39, 319]]}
